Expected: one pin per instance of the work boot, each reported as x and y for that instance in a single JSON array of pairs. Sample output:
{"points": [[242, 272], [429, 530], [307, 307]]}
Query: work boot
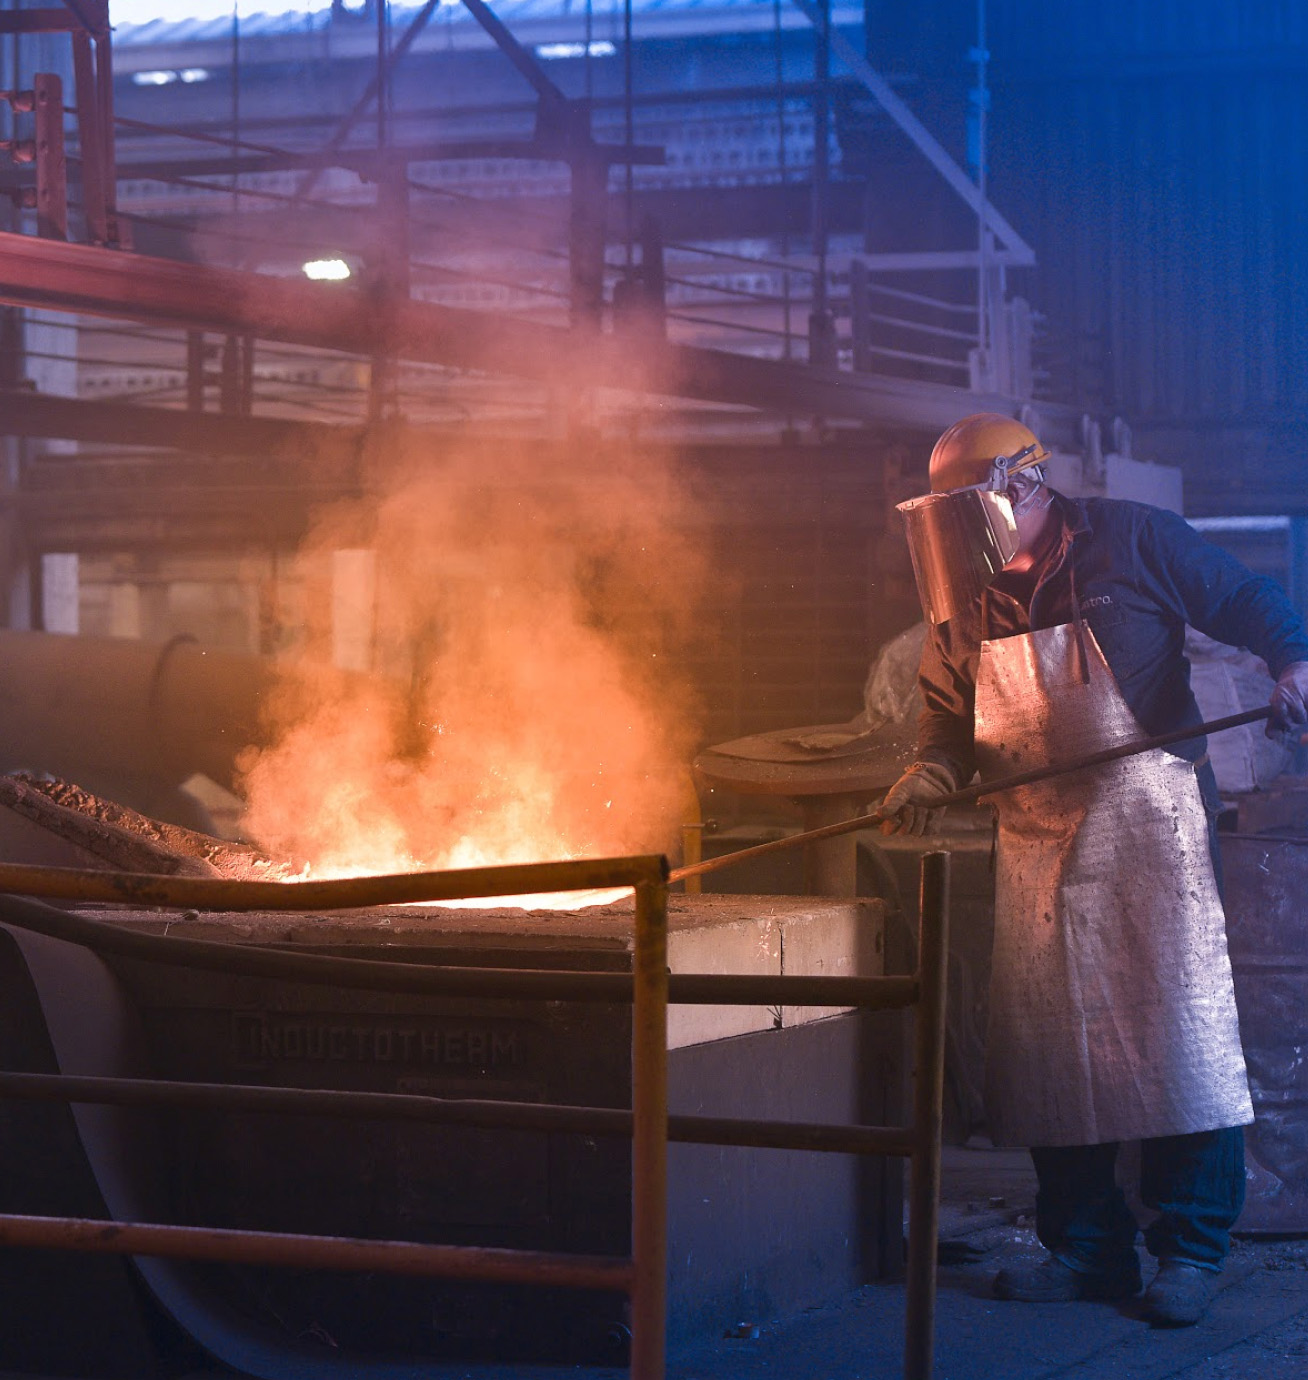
{"points": [[1052, 1281], [1179, 1295]]}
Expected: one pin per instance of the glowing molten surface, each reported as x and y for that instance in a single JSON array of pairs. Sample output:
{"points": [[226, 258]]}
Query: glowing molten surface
{"points": [[544, 900]]}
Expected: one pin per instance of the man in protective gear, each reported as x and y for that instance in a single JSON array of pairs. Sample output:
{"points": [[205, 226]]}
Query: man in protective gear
{"points": [[1057, 630]]}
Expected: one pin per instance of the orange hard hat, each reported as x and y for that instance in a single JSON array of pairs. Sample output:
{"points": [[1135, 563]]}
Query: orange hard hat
{"points": [[966, 453]]}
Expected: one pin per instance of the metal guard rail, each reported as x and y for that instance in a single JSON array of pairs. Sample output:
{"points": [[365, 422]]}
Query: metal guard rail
{"points": [[648, 988]]}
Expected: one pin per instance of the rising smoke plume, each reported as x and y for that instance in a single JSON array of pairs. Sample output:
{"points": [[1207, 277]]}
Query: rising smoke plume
{"points": [[528, 604]]}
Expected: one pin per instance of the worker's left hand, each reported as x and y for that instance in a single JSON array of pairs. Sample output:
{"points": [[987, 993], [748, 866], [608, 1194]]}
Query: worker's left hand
{"points": [[910, 804], [1290, 701]]}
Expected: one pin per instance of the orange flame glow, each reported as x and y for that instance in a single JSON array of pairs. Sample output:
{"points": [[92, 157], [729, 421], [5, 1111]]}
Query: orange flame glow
{"points": [[520, 708]]}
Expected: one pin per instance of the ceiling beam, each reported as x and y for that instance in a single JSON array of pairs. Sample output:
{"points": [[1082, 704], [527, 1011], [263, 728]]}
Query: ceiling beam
{"points": [[199, 433], [58, 276]]}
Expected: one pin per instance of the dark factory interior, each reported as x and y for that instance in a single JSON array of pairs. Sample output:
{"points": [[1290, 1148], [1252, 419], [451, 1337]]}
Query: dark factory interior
{"points": [[608, 616]]}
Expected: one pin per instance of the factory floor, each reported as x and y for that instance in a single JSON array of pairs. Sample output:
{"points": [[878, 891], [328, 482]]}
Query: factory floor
{"points": [[1256, 1329]]}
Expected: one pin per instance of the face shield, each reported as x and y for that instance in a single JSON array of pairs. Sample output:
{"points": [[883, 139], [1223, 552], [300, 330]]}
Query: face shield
{"points": [[958, 541]]}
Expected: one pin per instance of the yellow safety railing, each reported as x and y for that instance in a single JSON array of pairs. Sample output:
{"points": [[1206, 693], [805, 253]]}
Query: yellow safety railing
{"points": [[648, 987]]}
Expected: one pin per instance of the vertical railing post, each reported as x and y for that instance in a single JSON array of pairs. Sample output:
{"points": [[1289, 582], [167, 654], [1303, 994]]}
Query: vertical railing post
{"points": [[91, 138], [649, 1147], [822, 346], [860, 314], [51, 160], [195, 371], [928, 1106]]}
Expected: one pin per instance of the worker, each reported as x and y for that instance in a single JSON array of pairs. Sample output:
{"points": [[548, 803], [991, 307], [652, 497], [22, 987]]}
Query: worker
{"points": [[1057, 630]]}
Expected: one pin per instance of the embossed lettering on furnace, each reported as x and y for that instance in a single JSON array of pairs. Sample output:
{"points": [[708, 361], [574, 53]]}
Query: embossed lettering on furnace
{"points": [[266, 1038]]}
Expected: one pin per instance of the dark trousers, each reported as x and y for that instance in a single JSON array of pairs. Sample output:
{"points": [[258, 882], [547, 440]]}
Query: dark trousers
{"points": [[1195, 1184]]}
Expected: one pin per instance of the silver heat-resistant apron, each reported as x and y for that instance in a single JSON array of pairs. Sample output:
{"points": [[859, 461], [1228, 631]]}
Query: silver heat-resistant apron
{"points": [[1112, 1012]]}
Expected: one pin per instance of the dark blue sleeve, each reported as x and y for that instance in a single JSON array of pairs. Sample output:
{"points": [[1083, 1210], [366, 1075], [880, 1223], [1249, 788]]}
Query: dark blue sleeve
{"points": [[947, 680], [1217, 594]]}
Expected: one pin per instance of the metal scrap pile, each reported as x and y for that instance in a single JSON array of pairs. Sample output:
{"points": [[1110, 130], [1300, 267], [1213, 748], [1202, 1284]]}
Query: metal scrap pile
{"points": [[126, 841]]}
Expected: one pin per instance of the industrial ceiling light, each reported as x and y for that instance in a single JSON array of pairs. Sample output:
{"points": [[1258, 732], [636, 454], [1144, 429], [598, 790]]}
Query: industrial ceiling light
{"points": [[165, 77], [333, 270], [599, 47]]}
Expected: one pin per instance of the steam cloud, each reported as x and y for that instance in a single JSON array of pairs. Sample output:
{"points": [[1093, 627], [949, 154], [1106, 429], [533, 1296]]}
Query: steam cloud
{"points": [[523, 706]]}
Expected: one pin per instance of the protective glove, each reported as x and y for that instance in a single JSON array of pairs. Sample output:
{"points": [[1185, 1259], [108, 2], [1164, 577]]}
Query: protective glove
{"points": [[1290, 701], [908, 803]]}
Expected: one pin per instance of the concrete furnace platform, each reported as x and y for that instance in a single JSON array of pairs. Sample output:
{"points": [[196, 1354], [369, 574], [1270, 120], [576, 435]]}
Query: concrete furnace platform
{"points": [[753, 1233]]}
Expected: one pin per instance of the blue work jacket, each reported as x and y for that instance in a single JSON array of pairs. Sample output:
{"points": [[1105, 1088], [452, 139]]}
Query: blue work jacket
{"points": [[1139, 575]]}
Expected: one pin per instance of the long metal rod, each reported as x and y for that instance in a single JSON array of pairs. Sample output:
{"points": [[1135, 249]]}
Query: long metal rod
{"points": [[315, 1252], [554, 1119], [383, 75], [928, 1110], [345, 893], [193, 172], [438, 115], [370, 975], [649, 1140], [521, 58], [969, 794]]}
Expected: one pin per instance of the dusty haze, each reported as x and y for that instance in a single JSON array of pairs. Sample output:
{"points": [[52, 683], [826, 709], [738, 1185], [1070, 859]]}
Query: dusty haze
{"points": [[528, 604]]}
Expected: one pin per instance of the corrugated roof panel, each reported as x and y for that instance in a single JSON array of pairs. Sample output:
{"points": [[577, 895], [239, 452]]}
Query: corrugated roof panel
{"points": [[165, 30], [219, 27]]}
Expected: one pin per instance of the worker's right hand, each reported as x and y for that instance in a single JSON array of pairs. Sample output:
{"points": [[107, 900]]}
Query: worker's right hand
{"points": [[1290, 702], [909, 804]]}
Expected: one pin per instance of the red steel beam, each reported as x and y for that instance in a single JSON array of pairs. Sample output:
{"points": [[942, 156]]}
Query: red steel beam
{"points": [[125, 286], [45, 21]]}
